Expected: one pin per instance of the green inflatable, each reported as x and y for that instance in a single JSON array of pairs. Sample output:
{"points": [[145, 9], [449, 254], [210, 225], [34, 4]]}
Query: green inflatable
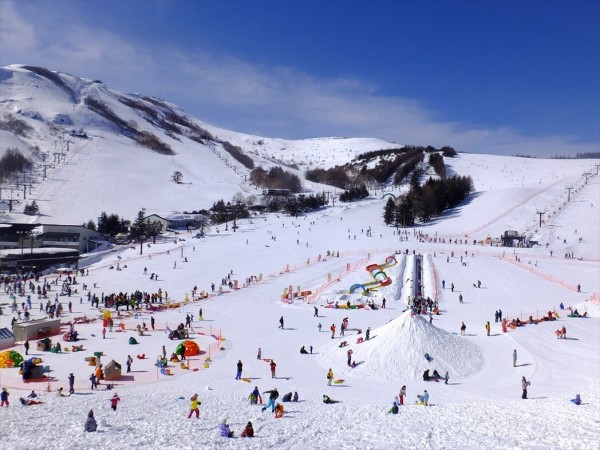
{"points": [[132, 341]]}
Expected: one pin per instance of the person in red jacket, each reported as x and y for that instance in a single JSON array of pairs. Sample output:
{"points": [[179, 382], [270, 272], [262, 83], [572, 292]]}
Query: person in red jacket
{"points": [[273, 367], [114, 401], [248, 430]]}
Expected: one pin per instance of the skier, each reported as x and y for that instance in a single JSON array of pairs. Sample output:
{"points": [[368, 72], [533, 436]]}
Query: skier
{"points": [[239, 370], [524, 384], [515, 357], [463, 328], [329, 377], [194, 403], [487, 328]]}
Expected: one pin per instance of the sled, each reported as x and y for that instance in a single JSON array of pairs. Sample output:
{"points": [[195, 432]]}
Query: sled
{"points": [[340, 381], [247, 380]]}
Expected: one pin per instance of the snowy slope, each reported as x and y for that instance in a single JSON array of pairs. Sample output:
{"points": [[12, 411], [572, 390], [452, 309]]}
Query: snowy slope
{"points": [[479, 408]]}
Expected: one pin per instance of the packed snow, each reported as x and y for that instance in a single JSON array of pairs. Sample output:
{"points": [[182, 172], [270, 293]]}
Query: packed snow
{"points": [[324, 252]]}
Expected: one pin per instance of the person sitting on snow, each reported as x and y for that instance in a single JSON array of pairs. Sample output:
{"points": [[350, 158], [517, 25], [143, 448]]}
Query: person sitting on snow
{"points": [[393, 409], [426, 376], [328, 400], [224, 429], [303, 351]]}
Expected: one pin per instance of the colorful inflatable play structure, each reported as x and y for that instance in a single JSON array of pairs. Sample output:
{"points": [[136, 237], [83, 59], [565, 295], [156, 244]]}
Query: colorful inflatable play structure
{"points": [[10, 358], [380, 278], [190, 348]]}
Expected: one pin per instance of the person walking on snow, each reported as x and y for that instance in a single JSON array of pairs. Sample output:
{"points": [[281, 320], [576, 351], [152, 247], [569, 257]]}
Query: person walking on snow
{"points": [[316, 312], [463, 328], [488, 327], [368, 334], [114, 401], [273, 367], [515, 357], [329, 377], [524, 384], [4, 397], [332, 328], [446, 377], [194, 403], [259, 353], [71, 380], [281, 323], [129, 363], [273, 395], [239, 370]]}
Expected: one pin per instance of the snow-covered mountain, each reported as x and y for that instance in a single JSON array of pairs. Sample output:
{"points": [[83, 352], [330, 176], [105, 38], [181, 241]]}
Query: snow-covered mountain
{"points": [[81, 130], [480, 407]]}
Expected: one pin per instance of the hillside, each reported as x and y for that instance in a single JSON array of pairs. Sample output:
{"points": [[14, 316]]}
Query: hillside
{"points": [[324, 252]]}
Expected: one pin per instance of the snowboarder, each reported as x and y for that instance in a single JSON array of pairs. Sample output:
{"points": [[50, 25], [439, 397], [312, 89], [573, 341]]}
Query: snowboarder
{"points": [[239, 370], [463, 328], [329, 377], [194, 403], [515, 357], [524, 384]]}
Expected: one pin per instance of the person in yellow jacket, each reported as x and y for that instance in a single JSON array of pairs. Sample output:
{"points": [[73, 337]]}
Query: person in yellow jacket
{"points": [[194, 403], [329, 377], [488, 327]]}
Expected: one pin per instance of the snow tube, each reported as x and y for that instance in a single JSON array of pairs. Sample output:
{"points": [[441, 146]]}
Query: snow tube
{"points": [[142, 356]]}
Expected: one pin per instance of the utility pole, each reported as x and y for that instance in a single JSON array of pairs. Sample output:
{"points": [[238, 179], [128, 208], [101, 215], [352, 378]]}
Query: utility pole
{"points": [[569, 196], [540, 213], [597, 166], [587, 175]]}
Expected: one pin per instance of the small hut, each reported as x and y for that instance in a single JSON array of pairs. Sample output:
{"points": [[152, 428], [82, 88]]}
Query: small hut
{"points": [[36, 329], [112, 371]]}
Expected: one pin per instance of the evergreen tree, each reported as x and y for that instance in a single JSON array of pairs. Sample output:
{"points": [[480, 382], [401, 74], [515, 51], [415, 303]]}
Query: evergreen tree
{"points": [[140, 226], [388, 212]]}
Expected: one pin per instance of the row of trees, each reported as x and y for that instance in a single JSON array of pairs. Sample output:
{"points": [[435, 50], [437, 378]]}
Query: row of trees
{"points": [[276, 178], [354, 193], [425, 202], [12, 162]]}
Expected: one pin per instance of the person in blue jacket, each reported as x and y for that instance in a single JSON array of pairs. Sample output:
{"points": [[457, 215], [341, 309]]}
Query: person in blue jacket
{"points": [[425, 397], [224, 429], [393, 409]]}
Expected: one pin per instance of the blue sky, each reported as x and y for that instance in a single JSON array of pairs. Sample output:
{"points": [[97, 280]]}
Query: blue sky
{"points": [[506, 77]]}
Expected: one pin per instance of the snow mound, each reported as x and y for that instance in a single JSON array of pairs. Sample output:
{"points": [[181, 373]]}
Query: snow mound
{"points": [[396, 351]]}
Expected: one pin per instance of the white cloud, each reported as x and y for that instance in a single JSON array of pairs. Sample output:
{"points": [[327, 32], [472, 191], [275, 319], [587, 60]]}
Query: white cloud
{"points": [[229, 92]]}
